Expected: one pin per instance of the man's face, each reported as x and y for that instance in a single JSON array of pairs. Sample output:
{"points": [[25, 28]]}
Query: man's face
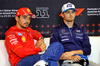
{"points": [[69, 15], [23, 21]]}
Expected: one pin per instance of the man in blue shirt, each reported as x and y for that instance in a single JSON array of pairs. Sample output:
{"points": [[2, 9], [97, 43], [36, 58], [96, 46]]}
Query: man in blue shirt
{"points": [[74, 38]]}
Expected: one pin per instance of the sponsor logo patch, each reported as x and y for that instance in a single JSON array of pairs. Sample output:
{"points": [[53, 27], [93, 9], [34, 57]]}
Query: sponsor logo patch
{"points": [[23, 39]]}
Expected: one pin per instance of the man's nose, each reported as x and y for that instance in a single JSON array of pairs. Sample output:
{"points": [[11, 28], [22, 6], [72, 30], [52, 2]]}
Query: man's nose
{"points": [[27, 20], [70, 14]]}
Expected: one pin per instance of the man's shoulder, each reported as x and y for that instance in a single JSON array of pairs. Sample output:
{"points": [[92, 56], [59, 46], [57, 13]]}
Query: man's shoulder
{"points": [[80, 27], [10, 30], [57, 28], [32, 30]]}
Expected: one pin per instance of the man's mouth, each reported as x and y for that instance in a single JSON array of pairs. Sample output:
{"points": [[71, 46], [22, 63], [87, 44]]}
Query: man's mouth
{"points": [[26, 23], [70, 17]]}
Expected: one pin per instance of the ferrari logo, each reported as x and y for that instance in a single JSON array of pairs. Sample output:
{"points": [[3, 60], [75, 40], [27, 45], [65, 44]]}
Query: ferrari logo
{"points": [[23, 39]]}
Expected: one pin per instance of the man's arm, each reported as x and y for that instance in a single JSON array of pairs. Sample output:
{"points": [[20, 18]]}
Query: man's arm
{"points": [[66, 55], [75, 58], [54, 36], [14, 44], [35, 34], [40, 40], [40, 43], [74, 52], [86, 46]]}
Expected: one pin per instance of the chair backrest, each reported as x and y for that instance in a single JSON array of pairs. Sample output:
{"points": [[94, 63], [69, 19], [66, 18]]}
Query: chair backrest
{"points": [[95, 53], [4, 61], [95, 49]]}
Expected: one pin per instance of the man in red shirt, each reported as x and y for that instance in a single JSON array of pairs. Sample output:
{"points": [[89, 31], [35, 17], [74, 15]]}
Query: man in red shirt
{"points": [[21, 47]]}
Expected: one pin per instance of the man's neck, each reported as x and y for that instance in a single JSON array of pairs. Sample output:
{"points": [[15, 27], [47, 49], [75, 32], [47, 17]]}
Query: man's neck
{"points": [[69, 24]]}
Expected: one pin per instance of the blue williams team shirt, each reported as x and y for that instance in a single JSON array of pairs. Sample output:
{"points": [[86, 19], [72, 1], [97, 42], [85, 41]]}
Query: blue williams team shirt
{"points": [[74, 38]]}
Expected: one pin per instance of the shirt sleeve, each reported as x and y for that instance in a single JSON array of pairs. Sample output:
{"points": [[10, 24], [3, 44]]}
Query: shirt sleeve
{"points": [[85, 43], [36, 35], [12, 42], [54, 36]]}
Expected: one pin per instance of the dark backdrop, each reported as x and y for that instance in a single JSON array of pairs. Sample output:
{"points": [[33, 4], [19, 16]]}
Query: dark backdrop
{"points": [[47, 12]]}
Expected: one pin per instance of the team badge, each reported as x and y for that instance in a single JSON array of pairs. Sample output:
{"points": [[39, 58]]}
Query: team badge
{"points": [[62, 31], [23, 39]]}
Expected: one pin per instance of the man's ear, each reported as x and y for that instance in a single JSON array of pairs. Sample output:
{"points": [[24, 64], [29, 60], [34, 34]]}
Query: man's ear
{"points": [[17, 18]]}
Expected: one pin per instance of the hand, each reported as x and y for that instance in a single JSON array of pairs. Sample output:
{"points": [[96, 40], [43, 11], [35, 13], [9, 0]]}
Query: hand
{"points": [[39, 42], [69, 53], [65, 55], [76, 58], [43, 47]]}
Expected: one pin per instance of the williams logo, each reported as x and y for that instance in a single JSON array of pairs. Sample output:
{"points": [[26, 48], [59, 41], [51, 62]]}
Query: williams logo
{"points": [[79, 11]]}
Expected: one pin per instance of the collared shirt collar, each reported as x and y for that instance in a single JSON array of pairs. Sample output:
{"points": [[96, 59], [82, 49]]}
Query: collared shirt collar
{"points": [[67, 26]]}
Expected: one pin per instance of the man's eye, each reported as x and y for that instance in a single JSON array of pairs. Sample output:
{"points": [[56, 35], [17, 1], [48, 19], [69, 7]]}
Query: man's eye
{"points": [[67, 12], [24, 17], [73, 11]]}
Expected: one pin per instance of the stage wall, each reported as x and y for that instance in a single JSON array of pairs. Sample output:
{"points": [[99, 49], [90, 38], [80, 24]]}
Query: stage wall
{"points": [[47, 15]]}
